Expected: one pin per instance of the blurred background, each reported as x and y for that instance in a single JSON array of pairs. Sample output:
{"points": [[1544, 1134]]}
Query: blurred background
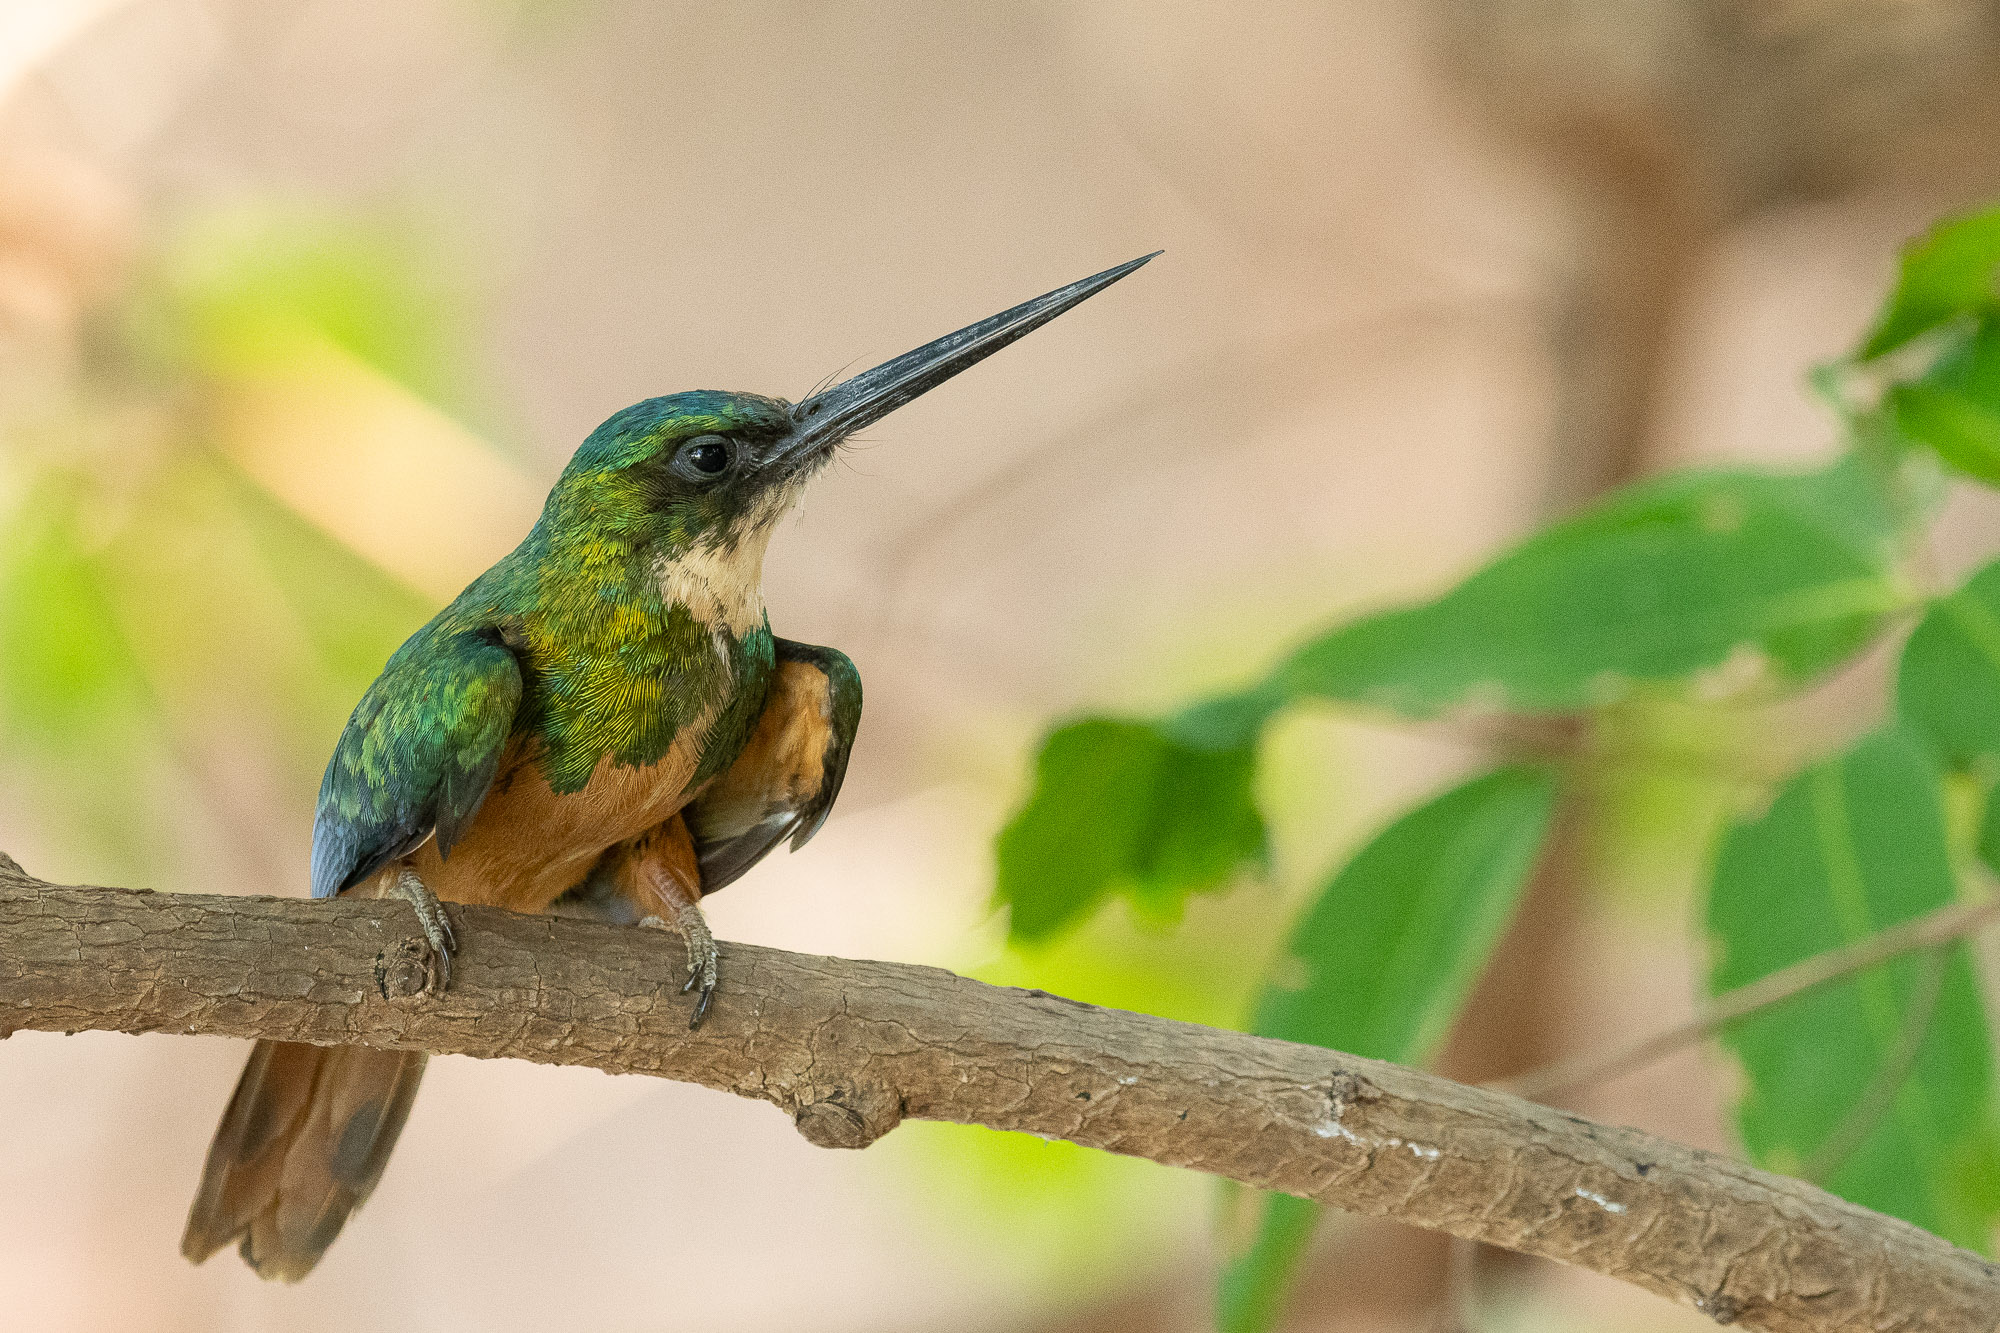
{"points": [[303, 305]]}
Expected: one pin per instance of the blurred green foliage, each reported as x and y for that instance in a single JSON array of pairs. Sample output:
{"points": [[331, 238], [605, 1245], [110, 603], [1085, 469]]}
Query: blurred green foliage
{"points": [[239, 289], [1945, 277], [156, 604], [1660, 582], [1158, 817], [1380, 963], [1853, 845], [1713, 591], [69, 672], [1689, 574], [1948, 682]]}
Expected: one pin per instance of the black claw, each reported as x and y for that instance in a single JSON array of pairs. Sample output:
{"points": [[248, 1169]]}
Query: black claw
{"points": [[437, 970], [688, 985], [701, 1007]]}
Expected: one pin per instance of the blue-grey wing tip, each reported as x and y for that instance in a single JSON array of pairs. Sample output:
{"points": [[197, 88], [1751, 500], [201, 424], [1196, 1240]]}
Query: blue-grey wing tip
{"points": [[333, 858]]}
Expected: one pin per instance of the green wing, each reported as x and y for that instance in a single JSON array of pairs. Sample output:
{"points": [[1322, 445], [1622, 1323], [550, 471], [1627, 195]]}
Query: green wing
{"points": [[417, 756], [788, 773]]}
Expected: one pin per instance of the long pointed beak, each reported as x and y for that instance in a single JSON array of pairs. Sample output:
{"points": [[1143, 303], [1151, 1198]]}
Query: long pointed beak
{"points": [[827, 418]]}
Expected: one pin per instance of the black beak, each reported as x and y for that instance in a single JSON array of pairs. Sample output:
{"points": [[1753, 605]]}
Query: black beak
{"points": [[829, 417]]}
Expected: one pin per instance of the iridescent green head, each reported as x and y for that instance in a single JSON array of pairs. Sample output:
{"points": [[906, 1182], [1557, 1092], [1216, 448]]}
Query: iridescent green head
{"points": [[709, 469], [693, 469]]}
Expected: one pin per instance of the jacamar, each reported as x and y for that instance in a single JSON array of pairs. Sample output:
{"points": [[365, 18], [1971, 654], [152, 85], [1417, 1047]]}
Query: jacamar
{"points": [[601, 723]]}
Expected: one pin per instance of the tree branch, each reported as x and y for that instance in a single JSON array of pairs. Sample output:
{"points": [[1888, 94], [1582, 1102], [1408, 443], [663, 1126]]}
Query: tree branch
{"points": [[849, 1049]]}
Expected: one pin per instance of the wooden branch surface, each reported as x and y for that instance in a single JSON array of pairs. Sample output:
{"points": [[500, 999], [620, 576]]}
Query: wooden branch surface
{"points": [[849, 1049]]}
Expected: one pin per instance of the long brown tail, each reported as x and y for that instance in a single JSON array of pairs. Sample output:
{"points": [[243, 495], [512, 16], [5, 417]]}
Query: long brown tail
{"points": [[304, 1140]]}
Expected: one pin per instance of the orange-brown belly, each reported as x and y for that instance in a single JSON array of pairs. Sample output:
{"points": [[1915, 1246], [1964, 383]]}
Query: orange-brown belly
{"points": [[527, 846]]}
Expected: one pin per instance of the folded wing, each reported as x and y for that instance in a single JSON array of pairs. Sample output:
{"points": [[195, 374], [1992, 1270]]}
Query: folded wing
{"points": [[417, 757], [785, 780]]}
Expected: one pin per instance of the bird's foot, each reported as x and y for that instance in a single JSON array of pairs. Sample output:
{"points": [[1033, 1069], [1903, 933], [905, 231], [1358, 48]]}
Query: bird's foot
{"points": [[692, 927], [435, 925]]}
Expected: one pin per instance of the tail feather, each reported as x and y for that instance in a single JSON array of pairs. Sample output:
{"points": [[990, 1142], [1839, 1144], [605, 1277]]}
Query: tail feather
{"points": [[303, 1142]]}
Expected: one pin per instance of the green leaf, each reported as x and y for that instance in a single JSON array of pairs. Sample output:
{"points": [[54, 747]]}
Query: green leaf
{"points": [[1664, 581], [1948, 684], [1851, 846], [1126, 806], [1988, 846], [1964, 434], [1381, 963], [1954, 407], [1970, 367], [1948, 273], [1255, 1283], [1225, 721]]}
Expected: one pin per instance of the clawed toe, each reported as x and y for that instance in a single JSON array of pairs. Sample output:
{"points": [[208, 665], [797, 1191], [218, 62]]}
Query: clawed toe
{"points": [[701, 973], [437, 969], [702, 957], [440, 942]]}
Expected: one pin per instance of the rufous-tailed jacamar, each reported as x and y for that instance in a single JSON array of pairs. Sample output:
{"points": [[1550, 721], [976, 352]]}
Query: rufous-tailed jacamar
{"points": [[602, 720]]}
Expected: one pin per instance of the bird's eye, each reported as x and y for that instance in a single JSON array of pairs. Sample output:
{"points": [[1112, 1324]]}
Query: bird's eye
{"points": [[706, 455]]}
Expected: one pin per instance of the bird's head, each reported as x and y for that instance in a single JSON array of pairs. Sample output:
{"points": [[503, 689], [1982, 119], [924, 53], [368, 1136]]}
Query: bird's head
{"points": [[714, 471]]}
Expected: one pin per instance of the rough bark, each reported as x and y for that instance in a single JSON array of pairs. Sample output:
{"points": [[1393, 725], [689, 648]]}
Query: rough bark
{"points": [[849, 1049]]}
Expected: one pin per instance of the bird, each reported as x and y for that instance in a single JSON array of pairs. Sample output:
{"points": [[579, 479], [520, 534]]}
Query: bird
{"points": [[601, 723]]}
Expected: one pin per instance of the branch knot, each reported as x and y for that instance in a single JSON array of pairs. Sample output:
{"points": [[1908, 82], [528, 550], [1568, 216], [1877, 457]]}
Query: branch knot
{"points": [[849, 1117], [402, 969]]}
